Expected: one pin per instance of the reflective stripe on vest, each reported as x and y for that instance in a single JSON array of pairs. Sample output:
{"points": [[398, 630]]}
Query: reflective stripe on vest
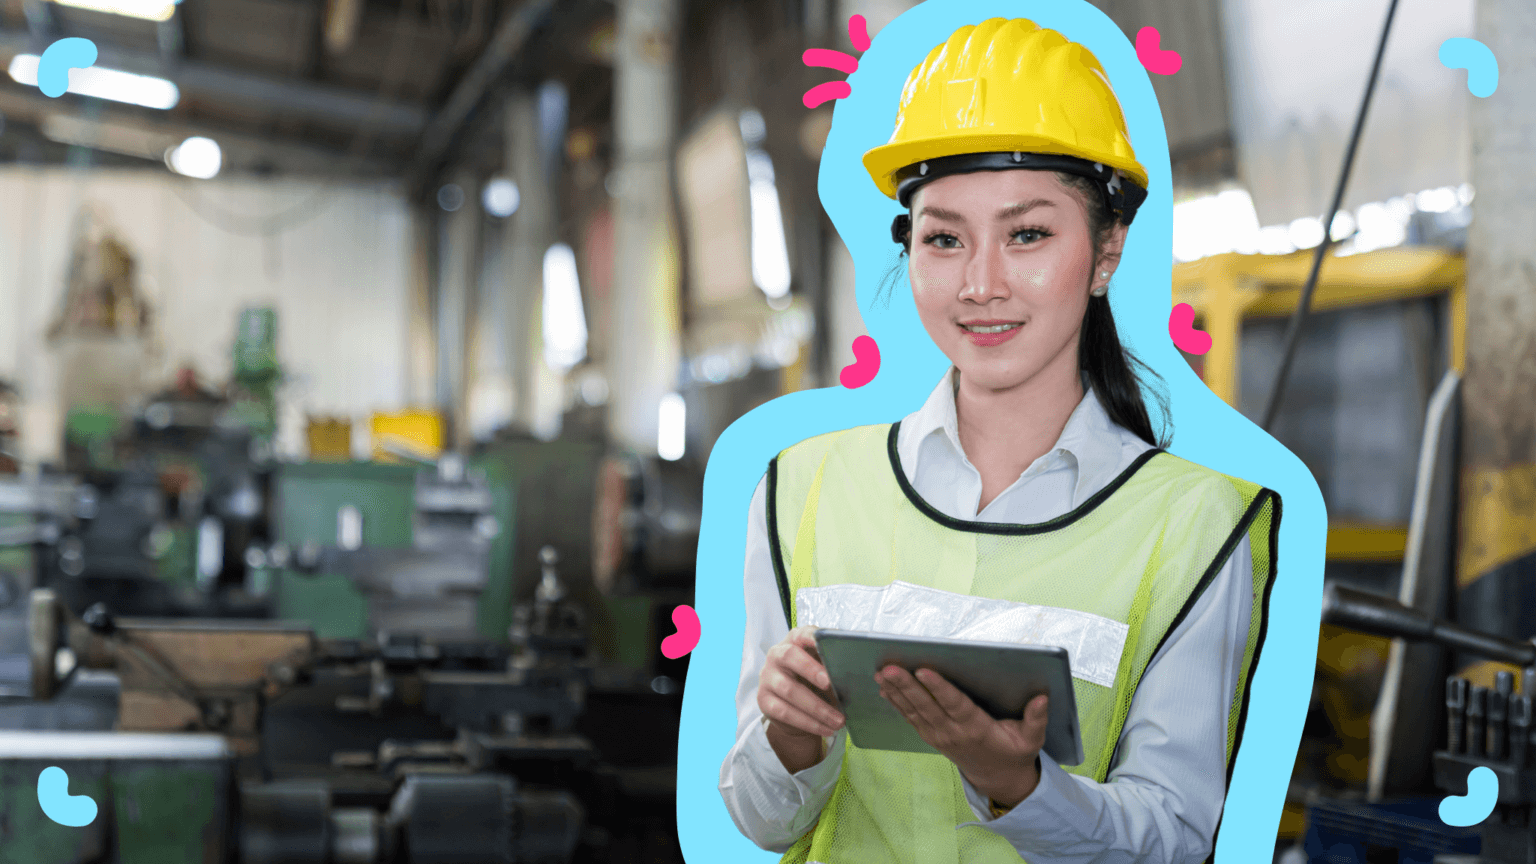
{"points": [[853, 544]]}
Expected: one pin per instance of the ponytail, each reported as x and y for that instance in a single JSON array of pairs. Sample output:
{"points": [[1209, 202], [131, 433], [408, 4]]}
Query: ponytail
{"points": [[1116, 375]]}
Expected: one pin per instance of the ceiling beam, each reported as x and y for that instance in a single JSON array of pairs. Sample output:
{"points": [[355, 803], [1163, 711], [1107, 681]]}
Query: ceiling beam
{"points": [[130, 133], [278, 95], [505, 43]]}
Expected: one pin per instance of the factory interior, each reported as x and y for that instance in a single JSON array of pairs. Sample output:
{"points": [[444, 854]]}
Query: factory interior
{"points": [[360, 362]]}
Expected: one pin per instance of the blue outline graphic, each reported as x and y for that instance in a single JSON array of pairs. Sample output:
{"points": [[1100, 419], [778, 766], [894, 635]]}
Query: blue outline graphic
{"points": [[1207, 431]]}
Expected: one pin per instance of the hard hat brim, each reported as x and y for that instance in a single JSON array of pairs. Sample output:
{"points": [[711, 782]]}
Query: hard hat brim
{"points": [[884, 161]]}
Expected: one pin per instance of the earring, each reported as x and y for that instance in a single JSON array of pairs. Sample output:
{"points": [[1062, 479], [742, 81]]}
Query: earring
{"points": [[1100, 291]]}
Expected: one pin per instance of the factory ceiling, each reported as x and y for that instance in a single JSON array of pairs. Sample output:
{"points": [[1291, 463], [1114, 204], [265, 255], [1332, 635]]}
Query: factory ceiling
{"points": [[331, 87], [398, 88]]}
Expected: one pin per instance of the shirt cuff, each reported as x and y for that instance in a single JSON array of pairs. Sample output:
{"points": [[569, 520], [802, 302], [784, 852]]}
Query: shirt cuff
{"points": [[813, 785], [1053, 816], [981, 805]]}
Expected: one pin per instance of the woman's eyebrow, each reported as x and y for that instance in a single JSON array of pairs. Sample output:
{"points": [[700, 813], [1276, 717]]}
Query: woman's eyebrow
{"points": [[1014, 210], [941, 213]]}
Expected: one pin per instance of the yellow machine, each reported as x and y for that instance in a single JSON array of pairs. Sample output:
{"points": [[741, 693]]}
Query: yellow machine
{"points": [[1236, 296], [416, 431]]}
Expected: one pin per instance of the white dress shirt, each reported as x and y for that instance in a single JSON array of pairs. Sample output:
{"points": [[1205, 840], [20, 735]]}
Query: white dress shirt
{"points": [[1164, 793]]}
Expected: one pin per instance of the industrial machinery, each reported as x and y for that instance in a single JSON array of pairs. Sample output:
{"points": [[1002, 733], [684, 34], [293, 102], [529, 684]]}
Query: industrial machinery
{"points": [[1485, 727], [1386, 335], [173, 799], [368, 548], [488, 780], [10, 420], [401, 660], [163, 506]]}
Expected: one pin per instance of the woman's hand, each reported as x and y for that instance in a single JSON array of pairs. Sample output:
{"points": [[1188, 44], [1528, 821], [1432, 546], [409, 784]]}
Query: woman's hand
{"points": [[996, 756], [794, 693]]}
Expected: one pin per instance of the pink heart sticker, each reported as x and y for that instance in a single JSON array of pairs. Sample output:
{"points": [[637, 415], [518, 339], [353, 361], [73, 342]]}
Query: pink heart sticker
{"points": [[866, 355], [1157, 62]]}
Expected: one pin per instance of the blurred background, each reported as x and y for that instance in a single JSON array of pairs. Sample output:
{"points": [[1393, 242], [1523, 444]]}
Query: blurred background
{"points": [[360, 360]]}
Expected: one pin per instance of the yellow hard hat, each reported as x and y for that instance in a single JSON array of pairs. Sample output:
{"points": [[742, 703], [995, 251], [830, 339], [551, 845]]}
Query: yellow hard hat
{"points": [[1008, 94]]}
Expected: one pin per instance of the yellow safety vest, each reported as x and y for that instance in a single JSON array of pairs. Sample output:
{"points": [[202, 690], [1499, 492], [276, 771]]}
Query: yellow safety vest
{"points": [[1140, 552]]}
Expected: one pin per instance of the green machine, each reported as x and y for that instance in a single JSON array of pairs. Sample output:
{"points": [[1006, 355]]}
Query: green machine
{"points": [[311, 498], [166, 796], [572, 495], [369, 546], [537, 494], [253, 388], [543, 494]]}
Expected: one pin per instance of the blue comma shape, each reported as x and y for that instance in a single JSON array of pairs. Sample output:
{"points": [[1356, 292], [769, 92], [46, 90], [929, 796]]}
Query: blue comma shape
{"points": [[74, 811], [58, 59], [1473, 807], [1475, 57]]}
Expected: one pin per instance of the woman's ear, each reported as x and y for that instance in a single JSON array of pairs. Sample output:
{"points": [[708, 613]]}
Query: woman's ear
{"points": [[1114, 244]]}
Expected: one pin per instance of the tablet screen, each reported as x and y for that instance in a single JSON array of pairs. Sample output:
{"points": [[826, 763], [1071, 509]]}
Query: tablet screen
{"points": [[999, 678]]}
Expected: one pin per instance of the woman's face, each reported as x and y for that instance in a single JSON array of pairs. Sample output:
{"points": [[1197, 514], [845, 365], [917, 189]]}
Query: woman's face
{"points": [[1001, 268]]}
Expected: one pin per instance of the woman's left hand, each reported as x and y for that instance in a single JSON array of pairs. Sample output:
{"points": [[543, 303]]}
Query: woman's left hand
{"points": [[996, 756]]}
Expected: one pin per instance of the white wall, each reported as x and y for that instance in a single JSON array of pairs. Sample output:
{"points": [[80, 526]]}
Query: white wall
{"points": [[847, 322], [337, 273]]}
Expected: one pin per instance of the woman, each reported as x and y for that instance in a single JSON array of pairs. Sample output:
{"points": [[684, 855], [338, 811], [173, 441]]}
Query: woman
{"points": [[1028, 487]]}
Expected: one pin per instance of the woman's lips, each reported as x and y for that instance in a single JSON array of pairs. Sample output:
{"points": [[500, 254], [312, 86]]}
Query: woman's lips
{"points": [[993, 332]]}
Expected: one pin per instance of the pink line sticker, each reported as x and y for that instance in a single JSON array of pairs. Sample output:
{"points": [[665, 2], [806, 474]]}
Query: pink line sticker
{"points": [[858, 33], [826, 92], [829, 59]]}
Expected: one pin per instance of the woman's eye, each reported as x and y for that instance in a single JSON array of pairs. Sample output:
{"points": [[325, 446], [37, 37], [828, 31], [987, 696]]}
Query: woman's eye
{"points": [[1029, 235], [944, 241]]}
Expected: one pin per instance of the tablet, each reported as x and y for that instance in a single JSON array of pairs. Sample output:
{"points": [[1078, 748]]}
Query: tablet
{"points": [[1000, 678]]}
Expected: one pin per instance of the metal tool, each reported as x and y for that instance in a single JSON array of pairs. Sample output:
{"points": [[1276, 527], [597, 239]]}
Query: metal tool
{"points": [[1456, 714], [1487, 727], [1519, 729], [1477, 721], [1498, 724]]}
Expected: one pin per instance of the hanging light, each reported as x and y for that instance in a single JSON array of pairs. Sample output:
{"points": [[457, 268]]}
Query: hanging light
{"points": [[196, 157], [770, 255], [100, 82], [450, 197], [500, 197], [565, 321], [671, 427], [148, 10]]}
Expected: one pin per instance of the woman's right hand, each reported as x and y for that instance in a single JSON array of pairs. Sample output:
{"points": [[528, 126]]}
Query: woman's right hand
{"points": [[795, 693]]}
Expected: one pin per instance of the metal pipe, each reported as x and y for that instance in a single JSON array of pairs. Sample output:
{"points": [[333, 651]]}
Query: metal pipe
{"points": [[316, 101], [112, 745], [1382, 616], [134, 134], [1304, 305], [504, 45]]}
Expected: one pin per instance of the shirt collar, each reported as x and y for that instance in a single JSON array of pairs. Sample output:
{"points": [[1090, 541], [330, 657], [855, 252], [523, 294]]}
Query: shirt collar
{"points": [[1090, 441]]}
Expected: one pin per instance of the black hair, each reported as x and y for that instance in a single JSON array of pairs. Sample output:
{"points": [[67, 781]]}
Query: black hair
{"points": [[1116, 375]]}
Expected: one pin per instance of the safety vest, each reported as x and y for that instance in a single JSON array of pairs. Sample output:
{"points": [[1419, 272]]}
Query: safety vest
{"points": [[1131, 560]]}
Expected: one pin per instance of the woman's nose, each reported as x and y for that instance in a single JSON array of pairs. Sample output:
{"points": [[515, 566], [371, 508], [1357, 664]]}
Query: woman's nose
{"points": [[984, 277]]}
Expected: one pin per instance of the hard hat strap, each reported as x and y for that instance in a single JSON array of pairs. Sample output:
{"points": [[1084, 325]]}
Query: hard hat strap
{"points": [[1121, 194]]}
